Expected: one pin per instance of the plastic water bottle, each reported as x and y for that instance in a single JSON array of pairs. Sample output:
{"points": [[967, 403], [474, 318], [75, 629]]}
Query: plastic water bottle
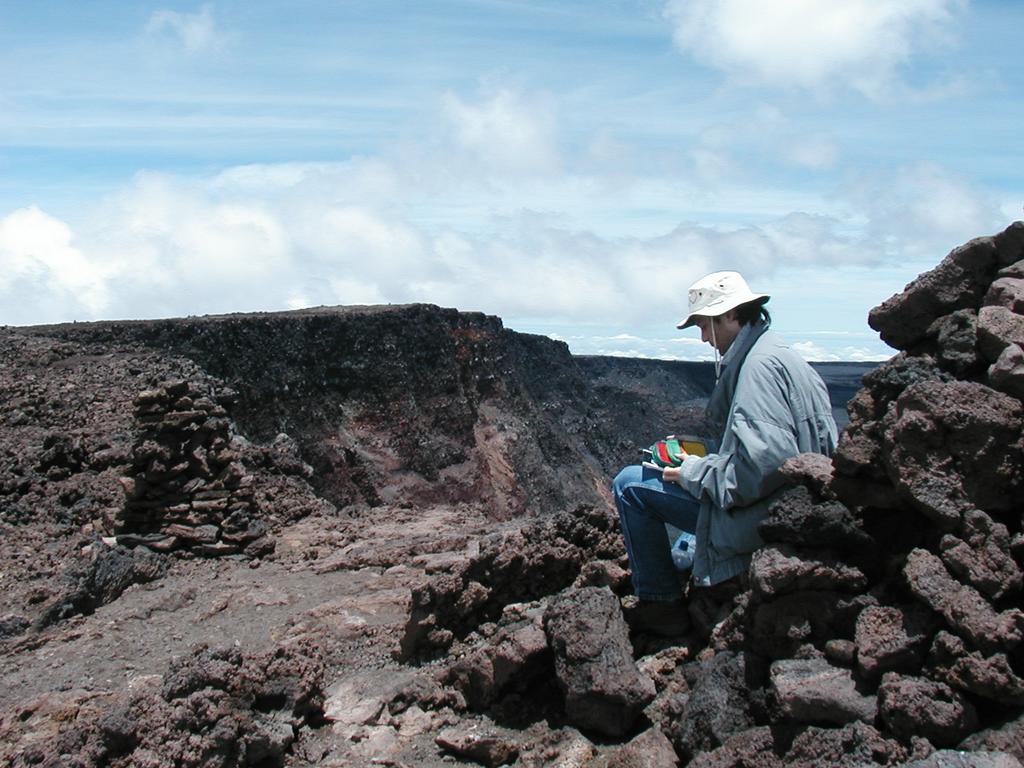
{"points": [[683, 549]]}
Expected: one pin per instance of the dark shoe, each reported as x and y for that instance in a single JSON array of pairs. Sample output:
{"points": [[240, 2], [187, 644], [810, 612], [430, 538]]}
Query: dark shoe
{"points": [[665, 618], [710, 606]]}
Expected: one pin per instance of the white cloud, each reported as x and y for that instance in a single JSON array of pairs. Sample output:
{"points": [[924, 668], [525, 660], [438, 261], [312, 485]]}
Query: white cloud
{"points": [[194, 31], [808, 43], [921, 209], [814, 152], [37, 250], [505, 131]]}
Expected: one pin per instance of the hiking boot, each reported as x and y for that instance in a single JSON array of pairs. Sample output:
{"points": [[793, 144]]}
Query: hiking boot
{"points": [[708, 607], [665, 618]]}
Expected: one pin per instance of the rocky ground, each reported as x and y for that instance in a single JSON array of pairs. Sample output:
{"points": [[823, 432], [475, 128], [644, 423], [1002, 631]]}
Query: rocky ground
{"points": [[383, 536]]}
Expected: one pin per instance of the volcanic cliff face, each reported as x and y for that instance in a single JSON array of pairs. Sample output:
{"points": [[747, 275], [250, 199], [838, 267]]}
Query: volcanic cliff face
{"points": [[346, 535]]}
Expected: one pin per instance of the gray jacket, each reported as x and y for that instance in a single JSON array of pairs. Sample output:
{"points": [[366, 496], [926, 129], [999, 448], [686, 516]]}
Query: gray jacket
{"points": [[772, 406]]}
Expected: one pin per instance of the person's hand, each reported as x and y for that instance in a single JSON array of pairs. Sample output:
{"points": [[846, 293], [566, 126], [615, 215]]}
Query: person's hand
{"points": [[671, 474]]}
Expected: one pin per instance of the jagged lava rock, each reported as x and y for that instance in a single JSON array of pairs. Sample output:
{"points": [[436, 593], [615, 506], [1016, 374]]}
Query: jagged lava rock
{"points": [[780, 568], [854, 746], [963, 607], [951, 447], [797, 519], [912, 706], [604, 690], [814, 691], [718, 706], [891, 638], [752, 748], [981, 556], [949, 758], [958, 282], [1007, 373]]}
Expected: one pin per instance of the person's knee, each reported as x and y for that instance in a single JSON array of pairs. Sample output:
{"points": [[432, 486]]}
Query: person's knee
{"points": [[628, 475]]}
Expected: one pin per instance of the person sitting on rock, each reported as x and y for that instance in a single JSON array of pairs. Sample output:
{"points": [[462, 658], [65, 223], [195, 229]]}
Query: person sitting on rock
{"points": [[768, 405]]}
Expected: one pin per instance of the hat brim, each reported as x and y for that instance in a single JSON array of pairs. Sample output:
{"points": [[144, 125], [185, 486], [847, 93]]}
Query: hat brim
{"points": [[721, 307]]}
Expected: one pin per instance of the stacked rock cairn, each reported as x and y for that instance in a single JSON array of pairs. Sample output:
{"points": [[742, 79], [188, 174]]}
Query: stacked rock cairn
{"points": [[187, 488]]}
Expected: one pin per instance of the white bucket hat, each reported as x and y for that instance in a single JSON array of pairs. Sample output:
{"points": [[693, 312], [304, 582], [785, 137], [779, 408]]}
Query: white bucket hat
{"points": [[716, 294]]}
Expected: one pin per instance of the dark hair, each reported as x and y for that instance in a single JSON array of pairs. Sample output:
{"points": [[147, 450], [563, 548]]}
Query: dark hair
{"points": [[752, 311]]}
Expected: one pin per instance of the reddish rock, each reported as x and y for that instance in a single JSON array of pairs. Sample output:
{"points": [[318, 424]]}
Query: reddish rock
{"points": [[1010, 245], [853, 746], [949, 758], [717, 708], [1006, 737], [811, 470], [963, 607], [513, 657], [753, 748], [981, 556], [778, 569], [780, 627], [916, 707], [796, 518], [479, 744], [953, 447], [891, 639], [958, 282], [956, 342]]}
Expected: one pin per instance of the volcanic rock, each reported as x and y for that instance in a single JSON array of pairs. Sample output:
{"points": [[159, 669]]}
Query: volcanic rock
{"points": [[892, 638], [853, 746], [719, 705], [813, 691], [604, 690], [963, 607], [959, 282], [914, 706]]}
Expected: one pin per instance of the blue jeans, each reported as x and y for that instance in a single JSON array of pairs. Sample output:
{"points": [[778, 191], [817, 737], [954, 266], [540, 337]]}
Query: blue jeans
{"points": [[645, 503]]}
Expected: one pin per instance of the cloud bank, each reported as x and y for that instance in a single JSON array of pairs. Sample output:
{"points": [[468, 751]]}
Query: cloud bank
{"points": [[858, 44]]}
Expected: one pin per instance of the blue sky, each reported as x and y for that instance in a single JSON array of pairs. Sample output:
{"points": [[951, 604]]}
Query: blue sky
{"points": [[568, 166]]}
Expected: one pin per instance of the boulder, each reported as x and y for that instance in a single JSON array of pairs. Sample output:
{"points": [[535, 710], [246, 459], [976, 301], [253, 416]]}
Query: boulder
{"points": [[479, 744], [912, 706], [514, 656], [814, 691], [998, 328], [1007, 373], [604, 690], [1010, 245], [781, 626], [753, 748], [1006, 292], [854, 746], [797, 519], [981, 556], [952, 447], [780, 568], [650, 748], [948, 758], [810, 470], [718, 706], [963, 607], [958, 282], [956, 342], [1005, 737], [891, 638]]}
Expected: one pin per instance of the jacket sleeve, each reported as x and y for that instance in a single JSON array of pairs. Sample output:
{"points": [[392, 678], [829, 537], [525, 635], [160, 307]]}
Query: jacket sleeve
{"points": [[759, 437]]}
